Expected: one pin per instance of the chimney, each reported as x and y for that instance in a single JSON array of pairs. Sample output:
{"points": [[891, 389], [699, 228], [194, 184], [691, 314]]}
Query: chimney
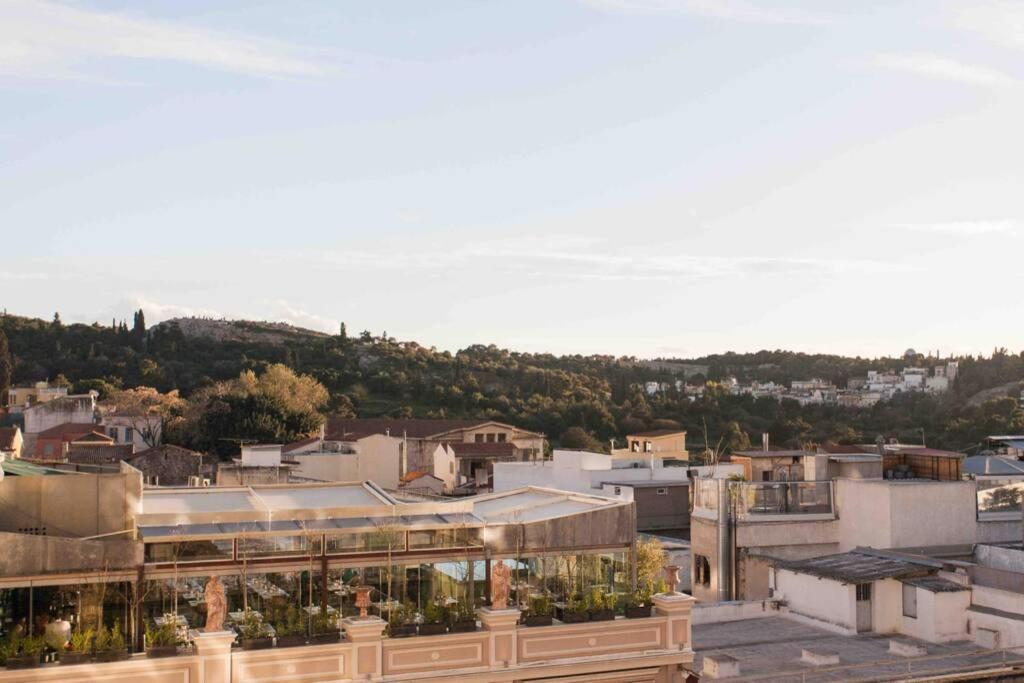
{"points": [[764, 441]]}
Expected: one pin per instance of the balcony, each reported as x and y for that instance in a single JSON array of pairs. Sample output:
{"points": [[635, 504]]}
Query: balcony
{"points": [[766, 501], [644, 649]]}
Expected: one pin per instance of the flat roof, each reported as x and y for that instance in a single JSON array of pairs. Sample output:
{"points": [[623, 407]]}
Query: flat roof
{"points": [[647, 484]]}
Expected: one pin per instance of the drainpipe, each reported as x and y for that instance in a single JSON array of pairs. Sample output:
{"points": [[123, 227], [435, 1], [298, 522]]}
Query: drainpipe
{"points": [[724, 529]]}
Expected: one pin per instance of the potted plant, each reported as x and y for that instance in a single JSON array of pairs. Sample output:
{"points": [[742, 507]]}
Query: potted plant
{"points": [[26, 653], [325, 628], [539, 612], [601, 605], [638, 604], [79, 648], [109, 644], [574, 611], [161, 641], [8, 648], [402, 621], [289, 628], [433, 620], [252, 633], [462, 617]]}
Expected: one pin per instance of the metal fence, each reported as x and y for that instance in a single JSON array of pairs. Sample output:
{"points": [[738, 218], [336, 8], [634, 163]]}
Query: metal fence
{"points": [[784, 498]]}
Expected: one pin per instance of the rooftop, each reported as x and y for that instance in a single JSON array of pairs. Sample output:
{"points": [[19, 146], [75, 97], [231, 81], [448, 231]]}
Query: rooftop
{"points": [[69, 429], [339, 427], [861, 565], [658, 432], [759, 453], [992, 464]]}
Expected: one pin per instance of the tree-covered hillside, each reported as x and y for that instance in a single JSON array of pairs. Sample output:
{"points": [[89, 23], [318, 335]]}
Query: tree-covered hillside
{"points": [[586, 399]]}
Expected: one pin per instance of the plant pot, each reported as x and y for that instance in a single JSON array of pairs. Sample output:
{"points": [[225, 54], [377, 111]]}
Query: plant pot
{"points": [[257, 643], [72, 658], [541, 620], [290, 641], [403, 631], [157, 651], [602, 615], [462, 627], [573, 617], [433, 629], [24, 662], [111, 656], [638, 612], [324, 638]]}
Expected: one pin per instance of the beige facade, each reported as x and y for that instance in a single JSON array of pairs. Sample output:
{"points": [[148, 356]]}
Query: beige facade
{"points": [[374, 457], [663, 443], [19, 398]]}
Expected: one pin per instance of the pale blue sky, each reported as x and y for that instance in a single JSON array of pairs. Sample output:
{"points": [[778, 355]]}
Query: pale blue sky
{"points": [[643, 177]]}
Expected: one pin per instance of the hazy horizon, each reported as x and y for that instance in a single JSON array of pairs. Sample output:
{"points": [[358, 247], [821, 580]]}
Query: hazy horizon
{"points": [[652, 178]]}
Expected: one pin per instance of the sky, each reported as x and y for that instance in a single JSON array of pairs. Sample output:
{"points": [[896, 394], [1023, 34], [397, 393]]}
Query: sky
{"points": [[653, 178]]}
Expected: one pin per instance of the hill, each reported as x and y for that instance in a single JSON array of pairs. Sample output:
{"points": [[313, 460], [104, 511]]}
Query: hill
{"points": [[378, 375]]}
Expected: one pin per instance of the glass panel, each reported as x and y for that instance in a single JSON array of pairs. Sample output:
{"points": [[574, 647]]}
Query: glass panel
{"points": [[189, 551], [364, 543], [273, 546], [1000, 496]]}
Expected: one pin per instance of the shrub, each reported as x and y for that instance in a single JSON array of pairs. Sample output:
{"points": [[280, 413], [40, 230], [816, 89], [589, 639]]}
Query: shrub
{"points": [[81, 641], [101, 641], [290, 623], [324, 622], [117, 641], [402, 615], [161, 636], [461, 612], [252, 626], [433, 614], [540, 606]]}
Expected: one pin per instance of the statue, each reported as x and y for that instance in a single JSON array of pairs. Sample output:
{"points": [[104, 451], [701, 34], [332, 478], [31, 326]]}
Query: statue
{"points": [[500, 579], [216, 605]]}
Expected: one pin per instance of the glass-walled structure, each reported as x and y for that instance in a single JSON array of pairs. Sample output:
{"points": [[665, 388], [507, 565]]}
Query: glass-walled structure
{"points": [[297, 554]]}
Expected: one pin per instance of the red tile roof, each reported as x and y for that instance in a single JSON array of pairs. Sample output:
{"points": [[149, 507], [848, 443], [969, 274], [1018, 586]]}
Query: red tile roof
{"points": [[7, 435], [295, 445], [69, 431]]}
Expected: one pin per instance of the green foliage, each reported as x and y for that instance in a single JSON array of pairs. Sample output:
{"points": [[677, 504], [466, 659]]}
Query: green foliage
{"points": [[291, 623], [33, 646], [324, 623], [161, 636], [402, 615], [433, 613], [117, 640], [461, 612], [101, 641], [576, 605], [597, 600], [540, 606], [271, 383], [81, 641], [251, 627]]}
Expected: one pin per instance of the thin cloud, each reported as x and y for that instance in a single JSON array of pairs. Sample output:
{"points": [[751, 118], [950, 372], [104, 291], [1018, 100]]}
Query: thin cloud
{"points": [[297, 316], [997, 22], [965, 228], [53, 41], [945, 69], [729, 10]]}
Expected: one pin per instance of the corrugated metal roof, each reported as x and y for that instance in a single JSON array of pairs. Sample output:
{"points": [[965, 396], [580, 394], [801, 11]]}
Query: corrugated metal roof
{"points": [[20, 468], [859, 566], [992, 464], [935, 584]]}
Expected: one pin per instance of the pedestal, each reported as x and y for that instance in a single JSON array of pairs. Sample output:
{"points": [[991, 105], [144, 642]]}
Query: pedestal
{"points": [[214, 651], [677, 607], [366, 633], [503, 627]]}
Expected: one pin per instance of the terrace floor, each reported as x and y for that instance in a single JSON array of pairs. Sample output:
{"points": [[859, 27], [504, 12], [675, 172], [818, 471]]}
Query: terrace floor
{"points": [[769, 648]]}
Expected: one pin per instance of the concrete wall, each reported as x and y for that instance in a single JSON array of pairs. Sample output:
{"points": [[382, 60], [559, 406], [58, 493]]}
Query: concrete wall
{"points": [[831, 602], [1008, 621], [72, 504], [446, 468], [1005, 559], [26, 555]]}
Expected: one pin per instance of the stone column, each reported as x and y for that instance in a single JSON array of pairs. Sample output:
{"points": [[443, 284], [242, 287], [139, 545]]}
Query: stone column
{"points": [[214, 652], [502, 625], [367, 651], [677, 607]]}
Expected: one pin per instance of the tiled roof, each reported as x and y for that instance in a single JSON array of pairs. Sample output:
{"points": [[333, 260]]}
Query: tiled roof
{"points": [[68, 429], [169, 450], [861, 565], [295, 445]]}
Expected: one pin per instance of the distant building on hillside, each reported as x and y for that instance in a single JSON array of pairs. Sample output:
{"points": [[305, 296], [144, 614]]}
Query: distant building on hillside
{"points": [[25, 395]]}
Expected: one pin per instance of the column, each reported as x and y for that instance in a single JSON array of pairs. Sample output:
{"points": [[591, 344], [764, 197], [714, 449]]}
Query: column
{"points": [[214, 652], [677, 607], [367, 650], [502, 625]]}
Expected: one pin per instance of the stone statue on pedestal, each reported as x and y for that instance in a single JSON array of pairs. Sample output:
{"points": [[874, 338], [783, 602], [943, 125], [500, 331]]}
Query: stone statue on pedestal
{"points": [[500, 579], [216, 605]]}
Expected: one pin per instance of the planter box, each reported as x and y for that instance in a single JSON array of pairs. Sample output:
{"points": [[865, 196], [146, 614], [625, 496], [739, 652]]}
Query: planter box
{"points": [[158, 651], [257, 643], [72, 658], [638, 612], [573, 617], [603, 615], [24, 662], [463, 627], [324, 638], [403, 631], [433, 629], [290, 641], [111, 656], [544, 620]]}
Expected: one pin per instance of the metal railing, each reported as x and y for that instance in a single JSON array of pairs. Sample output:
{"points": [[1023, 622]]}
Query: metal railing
{"points": [[783, 498]]}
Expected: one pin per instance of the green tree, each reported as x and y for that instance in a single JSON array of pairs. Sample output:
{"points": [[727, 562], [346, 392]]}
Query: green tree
{"points": [[577, 437], [5, 367]]}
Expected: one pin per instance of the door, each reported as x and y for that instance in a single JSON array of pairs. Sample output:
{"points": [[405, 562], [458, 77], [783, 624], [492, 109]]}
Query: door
{"points": [[863, 607]]}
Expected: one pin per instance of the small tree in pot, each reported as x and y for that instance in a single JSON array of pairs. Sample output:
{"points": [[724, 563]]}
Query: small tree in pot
{"points": [[25, 653], [252, 632], [109, 645], [290, 629], [601, 605], [574, 611], [79, 647], [540, 611], [433, 620], [162, 641], [462, 617], [402, 621], [324, 627]]}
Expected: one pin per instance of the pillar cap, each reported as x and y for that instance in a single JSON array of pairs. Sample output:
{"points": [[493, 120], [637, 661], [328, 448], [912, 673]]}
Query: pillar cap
{"points": [[499, 618], [360, 628]]}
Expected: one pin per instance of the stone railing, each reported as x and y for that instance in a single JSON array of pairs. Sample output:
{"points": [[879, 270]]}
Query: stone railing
{"points": [[648, 649]]}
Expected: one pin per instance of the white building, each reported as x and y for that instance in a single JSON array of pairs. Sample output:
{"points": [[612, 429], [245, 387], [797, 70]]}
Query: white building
{"points": [[357, 457]]}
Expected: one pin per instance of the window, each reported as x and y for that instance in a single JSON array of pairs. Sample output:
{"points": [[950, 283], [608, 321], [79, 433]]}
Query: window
{"points": [[863, 591], [479, 438], [648, 447], [451, 468], [501, 438], [910, 601], [491, 438], [618, 490], [48, 449], [766, 476], [189, 551], [701, 571], [271, 546], [662, 491], [112, 433], [129, 434]]}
